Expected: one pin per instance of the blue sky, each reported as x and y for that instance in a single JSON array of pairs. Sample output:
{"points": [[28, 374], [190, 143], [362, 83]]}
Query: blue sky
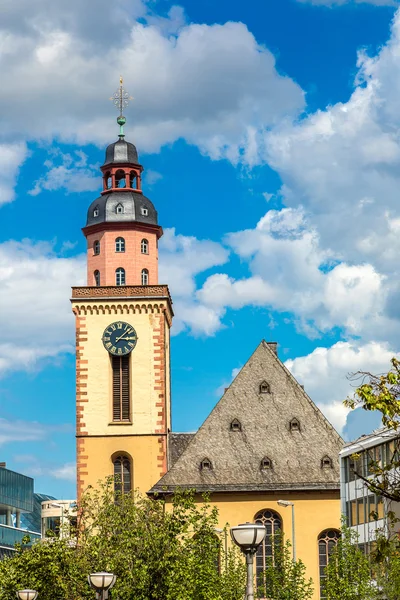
{"points": [[269, 133]]}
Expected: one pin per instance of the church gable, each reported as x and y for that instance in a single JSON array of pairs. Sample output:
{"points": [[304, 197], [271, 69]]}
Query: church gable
{"points": [[265, 433]]}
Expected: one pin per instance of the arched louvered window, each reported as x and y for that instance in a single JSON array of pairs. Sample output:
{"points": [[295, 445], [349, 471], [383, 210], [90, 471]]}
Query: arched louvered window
{"points": [[121, 388], [120, 276], [120, 244], [122, 475], [327, 542], [145, 277], [97, 278], [144, 247], [96, 247], [265, 554], [266, 464]]}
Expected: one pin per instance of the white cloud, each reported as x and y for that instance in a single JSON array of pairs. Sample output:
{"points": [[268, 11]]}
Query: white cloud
{"points": [[182, 258], [324, 373], [66, 472], [68, 172], [36, 467], [35, 313], [27, 431], [212, 85], [12, 157]]}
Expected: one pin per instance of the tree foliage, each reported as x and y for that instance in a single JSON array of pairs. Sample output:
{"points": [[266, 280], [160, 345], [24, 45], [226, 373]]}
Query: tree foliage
{"points": [[380, 393], [157, 551], [348, 573], [283, 578]]}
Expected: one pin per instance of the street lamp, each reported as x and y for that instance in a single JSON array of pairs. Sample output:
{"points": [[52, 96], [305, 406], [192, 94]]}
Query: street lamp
{"points": [[27, 594], [102, 583], [286, 503], [248, 537]]}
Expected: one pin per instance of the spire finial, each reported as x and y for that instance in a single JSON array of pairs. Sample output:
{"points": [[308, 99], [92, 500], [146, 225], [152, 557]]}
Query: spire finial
{"points": [[121, 99]]}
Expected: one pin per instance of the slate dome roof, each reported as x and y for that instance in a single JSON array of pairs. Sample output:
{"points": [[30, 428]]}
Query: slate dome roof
{"points": [[135, 207], [121, 152]]}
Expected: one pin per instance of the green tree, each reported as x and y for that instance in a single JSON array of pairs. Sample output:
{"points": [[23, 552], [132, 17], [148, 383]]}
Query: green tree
{"points": [[158, 551], [380, 393], [348, 573], [284, 579], [386, 566]]}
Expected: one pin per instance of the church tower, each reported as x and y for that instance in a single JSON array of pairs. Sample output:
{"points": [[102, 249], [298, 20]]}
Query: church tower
{"points": [[123, 319]]}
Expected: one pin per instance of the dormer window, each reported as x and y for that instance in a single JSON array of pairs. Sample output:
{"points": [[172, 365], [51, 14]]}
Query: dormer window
{"points": [[294, 425], [264, 388], [119, 209], [236, 425], [326, 462], [145, 211], [266, 464], [96, 212], [206, 465]]}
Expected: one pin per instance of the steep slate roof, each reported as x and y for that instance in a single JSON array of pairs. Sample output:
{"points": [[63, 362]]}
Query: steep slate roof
{"points": [[177, 443], [265, 432]]}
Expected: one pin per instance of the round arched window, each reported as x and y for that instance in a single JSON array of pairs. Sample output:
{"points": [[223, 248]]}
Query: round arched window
{"points": [[122, 475]]}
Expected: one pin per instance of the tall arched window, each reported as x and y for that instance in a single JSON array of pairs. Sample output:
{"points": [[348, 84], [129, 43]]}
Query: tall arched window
{"points": [[144, 247], [120, 244], [96, 247], [266, 551], [145, 277], [122, 475], [97, 278], [120, 276], [327, 542]]}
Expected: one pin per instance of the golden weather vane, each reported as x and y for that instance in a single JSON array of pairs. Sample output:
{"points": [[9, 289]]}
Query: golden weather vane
{"points": [[121, 99]]}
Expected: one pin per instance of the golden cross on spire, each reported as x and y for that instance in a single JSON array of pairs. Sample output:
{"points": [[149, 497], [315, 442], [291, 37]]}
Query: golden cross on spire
{"points": [[121, 99]]}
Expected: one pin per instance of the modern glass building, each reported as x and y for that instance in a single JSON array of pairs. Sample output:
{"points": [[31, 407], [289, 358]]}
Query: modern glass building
{"points": [[366, 512], [16, 498]]}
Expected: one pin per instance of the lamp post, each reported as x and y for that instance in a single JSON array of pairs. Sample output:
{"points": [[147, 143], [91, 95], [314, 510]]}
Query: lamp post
{"points": [[248, 537], [27, 594], [286, 503], [102, 583]]}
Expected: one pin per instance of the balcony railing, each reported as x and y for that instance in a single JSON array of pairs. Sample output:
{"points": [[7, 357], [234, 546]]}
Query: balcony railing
{"points": [[9, 536]]}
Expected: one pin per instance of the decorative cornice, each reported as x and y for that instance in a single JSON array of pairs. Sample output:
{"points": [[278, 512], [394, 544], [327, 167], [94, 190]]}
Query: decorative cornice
{"points": [[244, 488], [123, 226], [88, 292]]}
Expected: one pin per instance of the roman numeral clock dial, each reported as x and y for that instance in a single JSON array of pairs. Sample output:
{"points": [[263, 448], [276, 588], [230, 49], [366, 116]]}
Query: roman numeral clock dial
{"points": [[119, 338]]}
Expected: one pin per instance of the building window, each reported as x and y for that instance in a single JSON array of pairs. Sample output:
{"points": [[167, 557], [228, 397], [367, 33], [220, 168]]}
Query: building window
{"points": [[120, 388], [294, 425], [120, 179], [97, 278], [122, 475], [327, 542], [145, 277], [236, 425], [266, 552], [119, 209], [120, 245], [144, 247], [96, 247], [96, 211], [264, 388], [120, 276], [326, 462], [266, 464], [206, 465], [145, 211]]}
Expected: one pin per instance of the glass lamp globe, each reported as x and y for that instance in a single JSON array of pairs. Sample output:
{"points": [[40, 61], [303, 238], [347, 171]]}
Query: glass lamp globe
{"points": [[248, 536], [102, 581], [27, 594]]}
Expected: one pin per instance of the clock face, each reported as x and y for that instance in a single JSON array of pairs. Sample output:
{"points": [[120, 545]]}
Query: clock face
{"points": [[119, 338]]}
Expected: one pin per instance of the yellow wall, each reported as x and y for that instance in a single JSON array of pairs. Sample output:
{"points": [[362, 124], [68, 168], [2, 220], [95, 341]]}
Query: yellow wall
{"points": [[144, 439], [314, 513], [143, 451]]}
